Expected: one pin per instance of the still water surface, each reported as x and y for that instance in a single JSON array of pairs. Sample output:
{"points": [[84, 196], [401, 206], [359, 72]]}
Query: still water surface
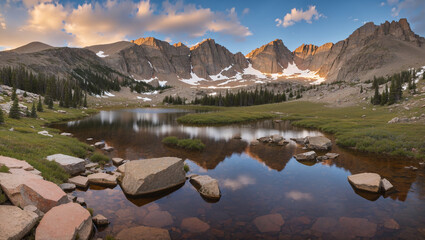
{"points": [[314, 200]]}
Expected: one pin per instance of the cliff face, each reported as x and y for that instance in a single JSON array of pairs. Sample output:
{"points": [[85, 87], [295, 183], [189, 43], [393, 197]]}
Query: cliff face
{"points": [[368, 48], [271, 58]]}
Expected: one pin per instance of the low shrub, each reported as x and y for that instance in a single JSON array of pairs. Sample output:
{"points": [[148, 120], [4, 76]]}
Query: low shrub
{"points": [[189, 144], [4, 169], [99, 158]]}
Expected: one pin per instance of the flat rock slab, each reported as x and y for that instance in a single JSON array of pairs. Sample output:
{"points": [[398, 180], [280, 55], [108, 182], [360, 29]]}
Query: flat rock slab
{"points": [[68, 187], [72, 165], [370, 182], [15, 163], [23, 190], [269, 223], [20, 171], [318, 143], [16, 223], [99, 144], [79, 181], [206, 186], [194, 225], [307, 156], [100, 220], [158, 219], [102, 179], [117, 161], [144, 233], [332, 155], [152, 175], [65, 222]]}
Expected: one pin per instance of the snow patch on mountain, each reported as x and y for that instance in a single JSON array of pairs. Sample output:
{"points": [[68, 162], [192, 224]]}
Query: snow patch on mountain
{"points": [[101, 54]]}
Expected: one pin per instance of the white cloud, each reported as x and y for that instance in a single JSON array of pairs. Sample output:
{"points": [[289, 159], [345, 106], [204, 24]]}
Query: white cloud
{"points": [[355, 19], [238, 183], [245, 11], [168, 39], [382, 4], [299, 196], [2, 22], [108, 21], [298, 15]]}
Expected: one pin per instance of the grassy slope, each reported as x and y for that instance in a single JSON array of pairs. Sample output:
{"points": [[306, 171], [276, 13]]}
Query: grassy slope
{"points": [[368, 134], [24, 143]]}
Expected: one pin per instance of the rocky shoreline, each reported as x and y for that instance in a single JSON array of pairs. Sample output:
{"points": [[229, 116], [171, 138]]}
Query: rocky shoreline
{"points": [[45, 210]]}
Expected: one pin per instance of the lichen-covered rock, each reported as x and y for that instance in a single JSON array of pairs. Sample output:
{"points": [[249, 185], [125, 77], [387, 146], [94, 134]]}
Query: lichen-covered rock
{"points": [[16, 223], [72, 165]]}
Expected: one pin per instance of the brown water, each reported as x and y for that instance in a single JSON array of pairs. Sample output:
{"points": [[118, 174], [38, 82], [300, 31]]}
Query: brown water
{"points": [[315, 200]]}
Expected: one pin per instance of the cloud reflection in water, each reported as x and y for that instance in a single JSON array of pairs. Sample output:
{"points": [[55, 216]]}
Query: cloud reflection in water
{"points": [[238, 183]]}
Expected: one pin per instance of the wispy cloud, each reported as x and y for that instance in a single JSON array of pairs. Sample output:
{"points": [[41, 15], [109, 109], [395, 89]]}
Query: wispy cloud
{"points": [[238, 183], [298, 15], [299, 196], [413, 9], [113, 20]]}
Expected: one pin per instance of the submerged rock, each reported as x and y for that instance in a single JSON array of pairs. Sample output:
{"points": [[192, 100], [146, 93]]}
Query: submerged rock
{"points": [[206, 186], [194, 225], [16, 223], [152, 175], [66, 221], [72, 165], [307, 156], [269, 223], [318, 143], [370, 182], [143, 233]]}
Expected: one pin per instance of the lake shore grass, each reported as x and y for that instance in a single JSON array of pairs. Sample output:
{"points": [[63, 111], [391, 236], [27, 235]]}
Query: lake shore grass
{"points": [[364, 128], [25, 143]]}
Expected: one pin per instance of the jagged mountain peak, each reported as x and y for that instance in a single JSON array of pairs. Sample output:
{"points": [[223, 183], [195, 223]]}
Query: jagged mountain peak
{"points": [[179, 44], [208, 41], [272, 57]]}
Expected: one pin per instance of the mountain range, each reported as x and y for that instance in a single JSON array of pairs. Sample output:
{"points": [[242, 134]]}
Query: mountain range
{"points": [[371, 50]]}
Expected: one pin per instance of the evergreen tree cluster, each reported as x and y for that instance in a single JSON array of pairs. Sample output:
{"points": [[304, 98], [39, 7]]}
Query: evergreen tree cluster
{"points": [[94, 82], [240, 98], [174, 100], [394, 93]]}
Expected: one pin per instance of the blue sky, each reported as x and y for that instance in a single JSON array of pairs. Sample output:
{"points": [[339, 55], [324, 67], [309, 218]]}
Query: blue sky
{"points": [[240, 25]]}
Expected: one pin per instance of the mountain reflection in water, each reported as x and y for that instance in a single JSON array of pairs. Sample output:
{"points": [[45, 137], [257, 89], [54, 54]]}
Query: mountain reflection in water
{"points": [[255, 181]]}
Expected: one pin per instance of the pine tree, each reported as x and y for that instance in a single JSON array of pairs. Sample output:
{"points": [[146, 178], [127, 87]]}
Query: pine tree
{"points": [[27, 113], [39, 105], [13, 94], [50, 103], [1, 117], [25, 94], [361, 89], [33, 111], [14, 110], [85, 100]]}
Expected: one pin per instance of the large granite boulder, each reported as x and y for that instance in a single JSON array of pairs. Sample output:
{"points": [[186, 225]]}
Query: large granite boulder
{"points": [[16, 223], [206, 186], [103, 179], [72, 165], [318, 143], [23, 190], [307, 156], [143, 233], [370, 182], [152, 175], [65, 222]]}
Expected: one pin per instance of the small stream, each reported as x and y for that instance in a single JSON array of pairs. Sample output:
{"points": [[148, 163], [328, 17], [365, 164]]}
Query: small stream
{"points": [[314, 200]]}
